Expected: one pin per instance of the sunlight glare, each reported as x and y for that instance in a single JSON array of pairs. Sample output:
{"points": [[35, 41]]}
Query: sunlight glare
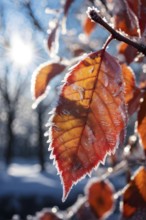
{"points": [[21, 52]]}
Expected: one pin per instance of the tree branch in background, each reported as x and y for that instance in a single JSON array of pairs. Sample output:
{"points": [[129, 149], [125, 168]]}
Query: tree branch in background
{"points": [[96, 17], [31, 14]]}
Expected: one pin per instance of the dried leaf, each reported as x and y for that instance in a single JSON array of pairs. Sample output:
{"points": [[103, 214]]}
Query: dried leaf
{"points": [[42, 76], [88, 26], [125, 19], [134, 198], [141, 127], [132, 92], [127, 51], [52, 42], [100, 197], [89, 118]]}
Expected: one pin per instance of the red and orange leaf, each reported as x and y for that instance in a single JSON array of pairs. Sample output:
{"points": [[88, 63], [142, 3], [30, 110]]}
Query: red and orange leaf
{"points": [[100, 197], [88, 26], [89, 118], [132, 92], [42, 76], [141, 127], [134, 198], [127, 51], [125, 19]]}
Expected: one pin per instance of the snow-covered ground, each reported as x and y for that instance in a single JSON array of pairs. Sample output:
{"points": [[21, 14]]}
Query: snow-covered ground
{"points": [[22, 182], [24, 190]]}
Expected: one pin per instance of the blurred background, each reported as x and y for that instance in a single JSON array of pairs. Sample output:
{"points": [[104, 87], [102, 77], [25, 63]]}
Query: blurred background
{"points": [[28, 178]]}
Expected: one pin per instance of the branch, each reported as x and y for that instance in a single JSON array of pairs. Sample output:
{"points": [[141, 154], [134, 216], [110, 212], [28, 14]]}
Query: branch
{"points": [[31, 14], [95, 16]]}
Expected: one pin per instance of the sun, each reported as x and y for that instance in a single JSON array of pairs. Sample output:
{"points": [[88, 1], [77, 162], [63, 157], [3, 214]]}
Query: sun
{"points": [[21, 52]]}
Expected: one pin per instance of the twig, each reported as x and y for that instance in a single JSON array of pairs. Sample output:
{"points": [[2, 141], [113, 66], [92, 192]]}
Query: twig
{"points": [[31, 14], [95, 16]]}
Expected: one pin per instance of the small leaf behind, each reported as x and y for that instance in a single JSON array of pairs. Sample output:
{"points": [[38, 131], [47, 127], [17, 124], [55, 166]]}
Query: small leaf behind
{"points": [[67, 6], [100, 197], [134, 198], [132, 92], [52, 42], [125, 19], [88, 26], [141, 127], [127, 51], [42, 76]]}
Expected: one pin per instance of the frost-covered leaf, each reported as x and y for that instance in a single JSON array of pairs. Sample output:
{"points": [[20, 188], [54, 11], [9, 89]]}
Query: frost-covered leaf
{"points": [[52, 42], [142, 122], [132, 92], [134, 198], [88, 26], [125, 19], [100, 197], [89, 118], [42, 76], [127, 51]]}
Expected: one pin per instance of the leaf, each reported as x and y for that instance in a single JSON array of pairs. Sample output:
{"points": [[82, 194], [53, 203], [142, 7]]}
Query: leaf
{"points": [[142, 83], [132, 92], [88, 26], [125, 19], [100, 197], [134, 198], [89, 118], [52, 42], [47, 215], [85, 212], [42, 76], [142, 16], [67, 6], [139, 8], [141, 127], [77, 51], [127, 51]]}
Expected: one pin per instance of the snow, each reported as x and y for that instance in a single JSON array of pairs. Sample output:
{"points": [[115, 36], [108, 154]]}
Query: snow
{"points": [[25, 190], [24, 178]]}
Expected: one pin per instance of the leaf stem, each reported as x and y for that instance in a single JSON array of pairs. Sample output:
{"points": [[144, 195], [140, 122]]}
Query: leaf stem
{"points": [[107, 42], [96, 17]]}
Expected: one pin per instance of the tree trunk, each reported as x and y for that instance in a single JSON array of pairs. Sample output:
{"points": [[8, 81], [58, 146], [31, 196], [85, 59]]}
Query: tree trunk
{"points": [[40, 140], [10, 139]]}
